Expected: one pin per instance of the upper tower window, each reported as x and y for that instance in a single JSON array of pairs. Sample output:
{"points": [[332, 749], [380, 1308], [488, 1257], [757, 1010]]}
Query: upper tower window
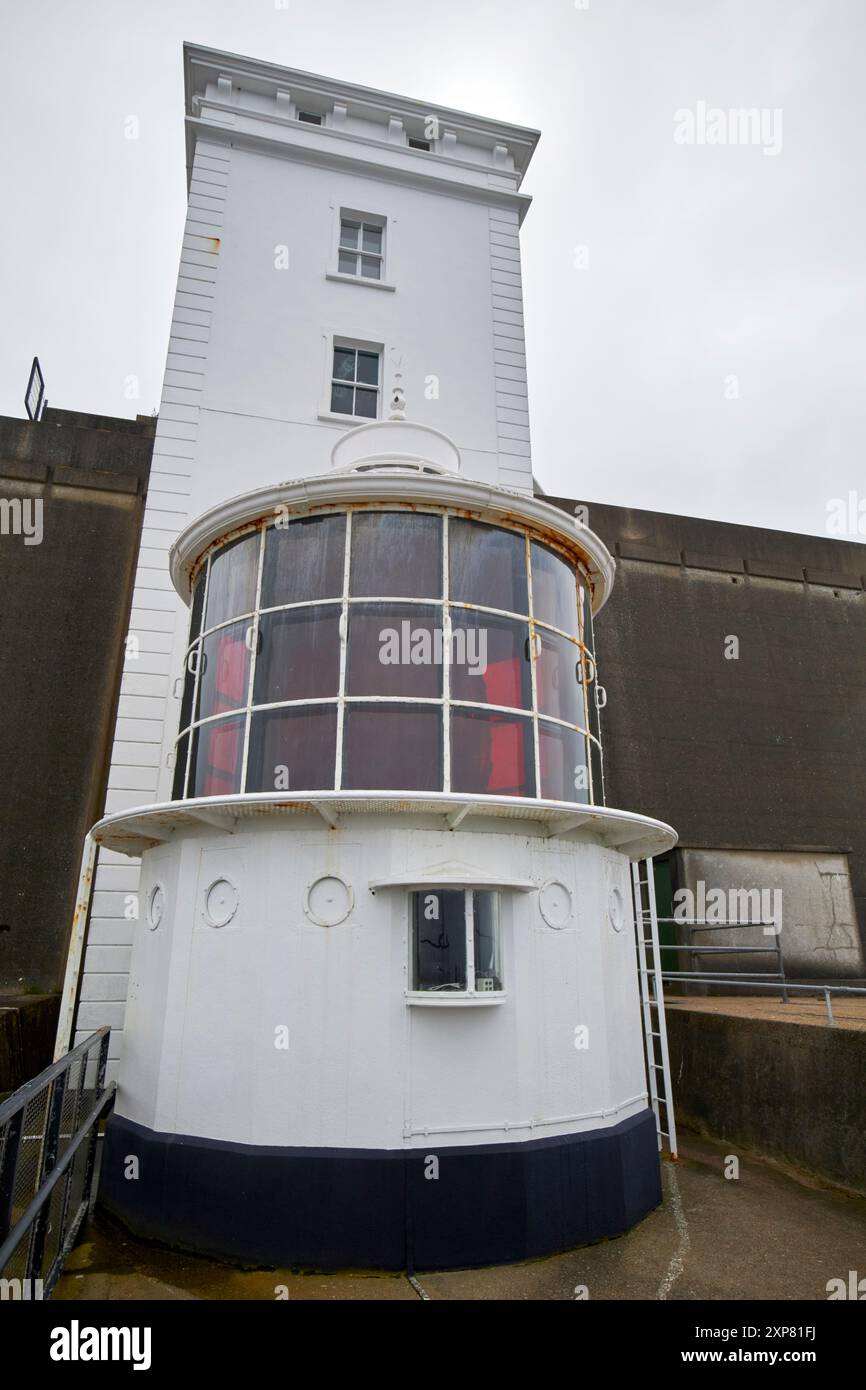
{"points": [[361, 249], [309, 118], [419, 144], [355, 381]]}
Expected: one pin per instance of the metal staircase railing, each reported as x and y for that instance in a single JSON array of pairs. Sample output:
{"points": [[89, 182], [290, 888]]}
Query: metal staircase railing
{"points": [[658, 1065], [48, 1132]]}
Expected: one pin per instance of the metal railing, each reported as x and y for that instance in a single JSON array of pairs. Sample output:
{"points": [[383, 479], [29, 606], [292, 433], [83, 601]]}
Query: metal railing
{"points": [[708, 976], [48, 1132], [686, 976]]}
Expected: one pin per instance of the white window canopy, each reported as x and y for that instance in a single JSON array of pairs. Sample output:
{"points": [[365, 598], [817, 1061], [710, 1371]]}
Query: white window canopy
{"points": [[453, 875]]}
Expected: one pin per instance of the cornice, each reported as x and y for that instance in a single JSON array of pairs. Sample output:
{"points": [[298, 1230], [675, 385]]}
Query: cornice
{"points": [[335, 489], [421, 177], [382, 103]]}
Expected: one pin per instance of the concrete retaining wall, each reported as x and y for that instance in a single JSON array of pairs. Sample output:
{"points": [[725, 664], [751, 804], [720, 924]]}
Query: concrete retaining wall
{"points": [[787, 1090]]}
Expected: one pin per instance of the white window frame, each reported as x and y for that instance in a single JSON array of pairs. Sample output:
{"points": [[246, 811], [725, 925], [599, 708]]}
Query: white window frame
{"points": [[470, 996], [334, 340], [373, 219]]}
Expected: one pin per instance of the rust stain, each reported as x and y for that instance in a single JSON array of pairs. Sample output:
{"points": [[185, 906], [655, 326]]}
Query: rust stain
{"points": [[569, 549], [215, 242]]}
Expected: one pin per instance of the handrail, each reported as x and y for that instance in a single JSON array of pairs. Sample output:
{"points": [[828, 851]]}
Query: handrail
{"points": [[741, 982], [58, 1145], [19, 1098], [696, 925]]}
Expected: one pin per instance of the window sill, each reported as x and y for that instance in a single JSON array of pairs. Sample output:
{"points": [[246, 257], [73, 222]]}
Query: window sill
{"points": [[359, 280], [431, 1000], [334, 417]]}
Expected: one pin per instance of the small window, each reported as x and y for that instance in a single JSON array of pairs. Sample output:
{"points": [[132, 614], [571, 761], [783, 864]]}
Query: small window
{"points": [[419, 144], [355, 382], [361, 248], [309, 118], [456, 942]]}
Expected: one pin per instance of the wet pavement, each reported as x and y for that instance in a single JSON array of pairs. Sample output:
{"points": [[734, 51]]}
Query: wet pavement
{"points": [[766, 1234]]}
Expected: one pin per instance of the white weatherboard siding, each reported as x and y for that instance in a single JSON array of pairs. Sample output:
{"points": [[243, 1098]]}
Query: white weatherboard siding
{"points": [[246, 394], [147, 712]]}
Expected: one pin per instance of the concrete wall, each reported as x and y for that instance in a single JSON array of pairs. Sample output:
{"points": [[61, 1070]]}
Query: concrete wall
{"points": [[65, 606], [763, 752], [807, 895], [790, 1091]]}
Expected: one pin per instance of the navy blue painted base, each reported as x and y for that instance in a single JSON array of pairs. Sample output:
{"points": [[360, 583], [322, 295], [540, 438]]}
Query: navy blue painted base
{"points": [[375, 1209]]}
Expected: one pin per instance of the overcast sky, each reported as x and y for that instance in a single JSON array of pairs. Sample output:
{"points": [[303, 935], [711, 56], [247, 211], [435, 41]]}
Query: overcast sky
{"points": [[695, 312]]}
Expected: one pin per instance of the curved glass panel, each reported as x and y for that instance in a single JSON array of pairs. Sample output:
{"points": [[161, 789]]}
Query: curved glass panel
{"points": [[217, 756], [395, 650], [487, 566], [491, 753], [231, 585], [562, 755], [293, 749], [179, 779], [304, 560], [591, 681], [557, 677], [193, 657], [554, 589], [224, 670], [392, 747], [597, 768], [586, 618], [490, 660], [398, 554], [298, 655], [197, 607]]}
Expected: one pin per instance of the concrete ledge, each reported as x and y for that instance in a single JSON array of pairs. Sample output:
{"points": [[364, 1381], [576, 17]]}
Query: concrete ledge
{"points": [[780, 1089]]}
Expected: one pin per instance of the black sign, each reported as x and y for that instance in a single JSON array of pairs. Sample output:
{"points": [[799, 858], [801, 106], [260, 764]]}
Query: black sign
{"points": [[35, 395]]}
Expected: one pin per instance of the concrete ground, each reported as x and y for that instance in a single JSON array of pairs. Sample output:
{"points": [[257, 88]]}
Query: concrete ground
{"points": [[767, 1234], [847, 1012]]}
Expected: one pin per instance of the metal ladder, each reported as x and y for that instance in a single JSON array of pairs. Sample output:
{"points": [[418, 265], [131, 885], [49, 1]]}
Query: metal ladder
{"points": [[658, 1063]]}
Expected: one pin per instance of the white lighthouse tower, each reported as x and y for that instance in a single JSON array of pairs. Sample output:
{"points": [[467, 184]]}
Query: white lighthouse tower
{"points": [[382, 1003]]}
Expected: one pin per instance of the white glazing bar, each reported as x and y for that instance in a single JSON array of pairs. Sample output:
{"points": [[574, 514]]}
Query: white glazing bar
{"points": [[469, 918], [446, 660], [192, 711], [536, 746], [344, 643], [254, 649]]}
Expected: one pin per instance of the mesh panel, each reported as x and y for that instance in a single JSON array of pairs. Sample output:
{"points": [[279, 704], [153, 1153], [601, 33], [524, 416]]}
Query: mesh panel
{"points": [[76, 1094]]}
